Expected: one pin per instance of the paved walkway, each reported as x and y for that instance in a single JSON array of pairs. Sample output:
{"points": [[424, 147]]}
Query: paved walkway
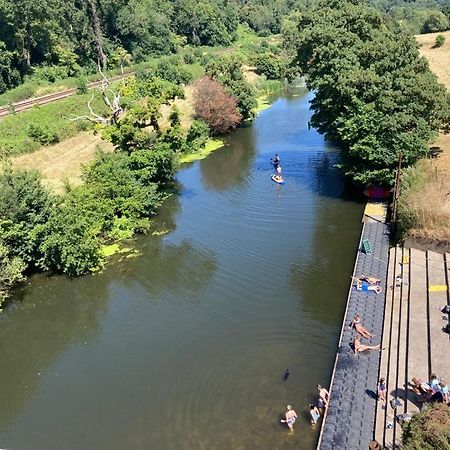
{"points": [[416, 344], [349, 421]]}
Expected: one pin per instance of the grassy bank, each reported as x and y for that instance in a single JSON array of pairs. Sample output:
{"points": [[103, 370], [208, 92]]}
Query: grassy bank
{"points": [[44, 125], [424, 204]]}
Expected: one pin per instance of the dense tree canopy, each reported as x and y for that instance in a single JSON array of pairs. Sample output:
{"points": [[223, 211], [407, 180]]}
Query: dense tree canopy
{"points": [[76, 34], [374, 95]]}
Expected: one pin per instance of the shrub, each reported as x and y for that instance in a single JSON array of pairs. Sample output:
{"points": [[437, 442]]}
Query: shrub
{"points": [[172, 71], [11, 272], [268, 65], [189, 57], [50, 73], [215, 106], [25, 206], [197, 136], [429, 430], [70, 241], [440, 39], [436, 21], [42, 134], [82, 85]]}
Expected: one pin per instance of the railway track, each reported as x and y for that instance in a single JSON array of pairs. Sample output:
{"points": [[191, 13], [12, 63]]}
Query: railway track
{"points": [[49, 98]]}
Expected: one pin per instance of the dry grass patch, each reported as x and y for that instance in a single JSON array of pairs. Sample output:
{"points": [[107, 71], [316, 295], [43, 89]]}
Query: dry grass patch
{"points": [[424, 207], [425, 200], [438, 58], [62, 161]]}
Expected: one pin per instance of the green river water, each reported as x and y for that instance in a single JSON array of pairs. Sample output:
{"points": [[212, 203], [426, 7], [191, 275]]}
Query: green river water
{"points": [[184, 346]]}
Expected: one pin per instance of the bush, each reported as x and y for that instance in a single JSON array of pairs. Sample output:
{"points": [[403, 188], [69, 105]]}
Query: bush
{"points": [[436, 21], [11, 272], [197, 135], [25, 206], [268, 65], [228, 72], [440, 39], [42, 134], [215, 106], [82, 87], [50, 73], [189, 57], [171, 71], [429, 430]]}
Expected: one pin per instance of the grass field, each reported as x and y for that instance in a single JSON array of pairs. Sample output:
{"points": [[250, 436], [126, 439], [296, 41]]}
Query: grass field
{"points": [[61, 163], [426, 201], [52, 118]]}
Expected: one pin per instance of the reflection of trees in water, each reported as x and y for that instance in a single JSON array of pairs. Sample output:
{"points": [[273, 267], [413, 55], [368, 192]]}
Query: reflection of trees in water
{"points": [[175, 268], [55, 313], [164, 266], [230, 166], [322, 281]]}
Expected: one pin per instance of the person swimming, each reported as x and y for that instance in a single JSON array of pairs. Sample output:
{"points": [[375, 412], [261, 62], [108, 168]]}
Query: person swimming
{"points": [[285, 375]]}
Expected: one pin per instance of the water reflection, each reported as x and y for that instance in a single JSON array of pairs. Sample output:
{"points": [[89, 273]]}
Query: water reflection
{"points": [[322, 280], [33, 333], [231, 165]]}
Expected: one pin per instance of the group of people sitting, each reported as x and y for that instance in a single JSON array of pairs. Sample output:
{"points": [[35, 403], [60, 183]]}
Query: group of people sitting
{"points": [[363, 283], [315, 409], [436, 390]]}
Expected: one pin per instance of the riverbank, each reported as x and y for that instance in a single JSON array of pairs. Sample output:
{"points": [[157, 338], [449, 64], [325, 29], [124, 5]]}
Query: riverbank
{"points": [[349, 419]]}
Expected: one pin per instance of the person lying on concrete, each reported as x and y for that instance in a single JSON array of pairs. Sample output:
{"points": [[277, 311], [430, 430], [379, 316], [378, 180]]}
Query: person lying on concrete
{"points": [[370, 280], [323, 394], [290, 417], [358, 327], [362, 285], [359, 348]]}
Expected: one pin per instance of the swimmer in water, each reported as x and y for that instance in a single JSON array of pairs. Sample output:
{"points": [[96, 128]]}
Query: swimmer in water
{"points": [[290, 417]]}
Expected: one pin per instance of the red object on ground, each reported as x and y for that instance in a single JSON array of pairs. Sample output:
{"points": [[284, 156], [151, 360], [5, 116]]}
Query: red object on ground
{"points": [[377, 192]]}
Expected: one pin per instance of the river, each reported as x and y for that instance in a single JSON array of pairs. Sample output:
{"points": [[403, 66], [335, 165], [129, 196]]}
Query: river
{"points": [[184, 346]]}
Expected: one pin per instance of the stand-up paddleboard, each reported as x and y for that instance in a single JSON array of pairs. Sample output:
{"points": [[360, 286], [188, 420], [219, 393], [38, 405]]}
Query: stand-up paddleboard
{"points": [[276, 181]]}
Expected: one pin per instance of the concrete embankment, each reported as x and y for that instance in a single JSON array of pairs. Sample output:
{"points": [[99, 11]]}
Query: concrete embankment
{"points": [[349, 421]]}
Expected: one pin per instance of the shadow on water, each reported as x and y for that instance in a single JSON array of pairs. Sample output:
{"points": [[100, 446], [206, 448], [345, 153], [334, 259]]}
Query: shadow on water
{"points": [[231, 165], [35, 331]]}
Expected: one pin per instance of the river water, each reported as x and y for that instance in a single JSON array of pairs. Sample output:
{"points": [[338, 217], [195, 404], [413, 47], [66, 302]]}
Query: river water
{"points": [[184, 346]]}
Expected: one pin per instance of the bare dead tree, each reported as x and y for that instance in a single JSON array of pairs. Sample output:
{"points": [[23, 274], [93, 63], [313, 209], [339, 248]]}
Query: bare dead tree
{"points": [[111, 100]]}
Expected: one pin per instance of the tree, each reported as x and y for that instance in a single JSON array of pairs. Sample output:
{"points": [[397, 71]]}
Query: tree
{"points": [[215, 106], [429, 430], [228, 72], [436, 21], [374, 95]]}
